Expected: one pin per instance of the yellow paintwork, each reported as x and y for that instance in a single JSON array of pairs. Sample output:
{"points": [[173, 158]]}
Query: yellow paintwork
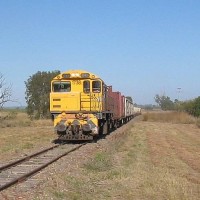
{"points": [[69, 118], [76, 101]]}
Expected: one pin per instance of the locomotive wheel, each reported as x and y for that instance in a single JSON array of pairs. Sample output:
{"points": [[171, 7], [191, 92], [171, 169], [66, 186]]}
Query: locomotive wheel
{"points": [[105, 128]]}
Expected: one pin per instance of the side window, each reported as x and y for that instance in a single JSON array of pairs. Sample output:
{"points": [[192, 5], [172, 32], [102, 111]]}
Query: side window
{"points": [[96, 86], [61, 86], [86, 86]]}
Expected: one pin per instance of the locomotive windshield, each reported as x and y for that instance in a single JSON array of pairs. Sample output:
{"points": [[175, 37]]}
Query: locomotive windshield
{"points": [[86, 86], [62, 86], [96, 86]]}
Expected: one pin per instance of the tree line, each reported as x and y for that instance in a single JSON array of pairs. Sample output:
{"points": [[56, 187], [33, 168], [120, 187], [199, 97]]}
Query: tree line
{"points": [[191, 106]]}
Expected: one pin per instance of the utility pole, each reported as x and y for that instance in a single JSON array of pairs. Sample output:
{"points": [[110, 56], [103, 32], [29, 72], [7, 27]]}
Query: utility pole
{"points": [[179, 91]]}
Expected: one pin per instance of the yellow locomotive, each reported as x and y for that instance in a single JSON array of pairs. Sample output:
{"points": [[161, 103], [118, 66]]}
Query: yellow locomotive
{"points": [[76, 104], [83, 106]]}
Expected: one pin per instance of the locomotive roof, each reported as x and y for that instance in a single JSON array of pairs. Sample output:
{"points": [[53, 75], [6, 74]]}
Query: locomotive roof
{"points": [[74, 71]]}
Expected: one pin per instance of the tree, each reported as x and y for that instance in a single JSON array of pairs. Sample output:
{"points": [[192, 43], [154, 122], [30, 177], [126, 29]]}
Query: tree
{"points": [[192, 107], [38, 88], [164, 102], [5, 92], [196, 107]]}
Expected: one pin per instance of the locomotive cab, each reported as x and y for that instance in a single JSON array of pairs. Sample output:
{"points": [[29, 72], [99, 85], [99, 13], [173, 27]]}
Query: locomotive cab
{"points": [[76, 104]]}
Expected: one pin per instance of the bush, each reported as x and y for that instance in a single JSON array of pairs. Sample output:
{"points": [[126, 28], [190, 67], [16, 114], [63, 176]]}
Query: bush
{"points": [[145, 117], [192, 107]]}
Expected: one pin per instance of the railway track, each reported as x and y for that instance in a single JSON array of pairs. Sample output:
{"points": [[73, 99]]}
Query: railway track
{"points": [[20, 170]]}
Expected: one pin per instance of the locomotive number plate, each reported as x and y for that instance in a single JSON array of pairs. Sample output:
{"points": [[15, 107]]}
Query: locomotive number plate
{"points": [[76, 82]]}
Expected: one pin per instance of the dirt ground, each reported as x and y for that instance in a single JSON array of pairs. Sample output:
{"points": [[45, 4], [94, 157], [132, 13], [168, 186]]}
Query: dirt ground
{"points": [[142, 160]]}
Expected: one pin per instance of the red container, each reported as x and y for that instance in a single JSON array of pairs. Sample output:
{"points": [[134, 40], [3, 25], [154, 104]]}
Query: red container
{"points": [[109, 100], [115, 103]]}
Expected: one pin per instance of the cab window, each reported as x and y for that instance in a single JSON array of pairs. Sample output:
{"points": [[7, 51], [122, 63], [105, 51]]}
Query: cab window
{"points": [[62, 86], [96, 86], [86, 86]]}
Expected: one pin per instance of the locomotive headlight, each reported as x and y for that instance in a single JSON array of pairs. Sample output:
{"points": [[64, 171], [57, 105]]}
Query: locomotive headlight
{"points": [[75, 74]]}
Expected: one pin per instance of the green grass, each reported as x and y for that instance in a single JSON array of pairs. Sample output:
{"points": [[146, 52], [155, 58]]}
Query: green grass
{"points": [[101, 162], [59, 195]]}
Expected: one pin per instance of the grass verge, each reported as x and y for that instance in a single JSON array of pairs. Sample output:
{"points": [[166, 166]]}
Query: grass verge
{"points": [[172, 117], [137, 165]]}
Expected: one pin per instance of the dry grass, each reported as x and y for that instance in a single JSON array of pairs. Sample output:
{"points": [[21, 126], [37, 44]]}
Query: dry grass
{"points": [[18, 134], [20, 119], [198, 122], [14, 119], [140, 170], [172, 117], [147, 162]]}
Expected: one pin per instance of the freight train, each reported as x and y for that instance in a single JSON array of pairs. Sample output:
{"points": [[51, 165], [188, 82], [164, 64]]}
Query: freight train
{"points": [[83, 107]]}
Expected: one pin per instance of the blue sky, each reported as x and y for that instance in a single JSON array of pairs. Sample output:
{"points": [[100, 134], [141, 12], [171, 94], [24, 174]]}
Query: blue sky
{"points": [[141, 47]]}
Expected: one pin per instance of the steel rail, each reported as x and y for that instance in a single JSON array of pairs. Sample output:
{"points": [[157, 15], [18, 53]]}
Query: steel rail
{"points": [[11, 164], [25, 176]]}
